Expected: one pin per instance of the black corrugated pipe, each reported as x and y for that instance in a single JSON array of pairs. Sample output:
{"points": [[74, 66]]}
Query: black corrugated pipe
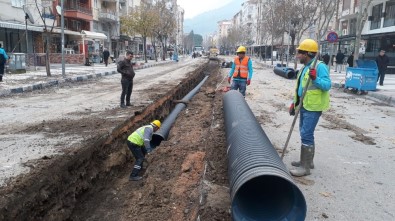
{"points": [[260, 185], [285, 72], [164, 130]]}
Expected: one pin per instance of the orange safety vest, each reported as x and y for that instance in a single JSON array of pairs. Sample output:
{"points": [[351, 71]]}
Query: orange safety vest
{"points": [[241, 68]]}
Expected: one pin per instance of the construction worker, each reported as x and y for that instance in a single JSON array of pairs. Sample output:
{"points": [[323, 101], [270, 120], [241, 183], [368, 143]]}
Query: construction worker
{"points": [[315, 101], [241, 71], [139, 142]]}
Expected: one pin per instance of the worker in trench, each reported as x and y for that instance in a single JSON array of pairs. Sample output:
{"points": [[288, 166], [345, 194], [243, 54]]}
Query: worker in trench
{"points": [[241, 71], [315, 101], [139, 143]]}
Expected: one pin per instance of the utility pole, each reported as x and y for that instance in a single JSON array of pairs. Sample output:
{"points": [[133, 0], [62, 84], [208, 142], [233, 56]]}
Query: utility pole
{"points": [[62, 28]]}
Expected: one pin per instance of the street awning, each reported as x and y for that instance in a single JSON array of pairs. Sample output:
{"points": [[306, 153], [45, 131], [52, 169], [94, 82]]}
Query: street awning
{"points": [[93, 35], [20, 26], [67, 32]]}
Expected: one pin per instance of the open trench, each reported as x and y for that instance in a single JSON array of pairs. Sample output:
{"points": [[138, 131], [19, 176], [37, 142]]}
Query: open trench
{"points": [[185, 178]]}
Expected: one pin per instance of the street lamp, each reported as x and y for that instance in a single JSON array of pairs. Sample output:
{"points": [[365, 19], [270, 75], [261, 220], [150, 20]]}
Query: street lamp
{"points": [[60, 11]]}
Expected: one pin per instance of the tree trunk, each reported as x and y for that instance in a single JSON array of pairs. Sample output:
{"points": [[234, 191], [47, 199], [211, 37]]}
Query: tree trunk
{"points": [[47, 58], [145, 48]]}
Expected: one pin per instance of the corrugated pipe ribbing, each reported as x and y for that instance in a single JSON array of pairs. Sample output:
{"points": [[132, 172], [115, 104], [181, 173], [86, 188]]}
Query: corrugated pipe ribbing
{"points": [[261, 187], [164, 130]]}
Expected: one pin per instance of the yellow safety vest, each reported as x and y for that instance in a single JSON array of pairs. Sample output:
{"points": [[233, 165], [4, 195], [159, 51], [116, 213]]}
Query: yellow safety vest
{"points": [[137, 137], [315, 98]]}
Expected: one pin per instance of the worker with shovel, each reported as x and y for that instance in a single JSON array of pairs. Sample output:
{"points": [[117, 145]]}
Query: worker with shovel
{"points": [[311, 98], [139, 142]]}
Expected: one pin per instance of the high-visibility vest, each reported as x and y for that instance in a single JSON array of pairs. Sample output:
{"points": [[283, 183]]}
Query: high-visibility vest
{"points": [[315, 98], [137, 137], [241, 68]]}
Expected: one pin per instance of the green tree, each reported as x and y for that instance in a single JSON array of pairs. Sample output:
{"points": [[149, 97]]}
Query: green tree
{"points": [[141, 20]]}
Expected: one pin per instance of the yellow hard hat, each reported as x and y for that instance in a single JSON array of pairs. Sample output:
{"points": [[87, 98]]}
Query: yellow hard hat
{"points": [[308, 45], [156, 123], [241, 49]]}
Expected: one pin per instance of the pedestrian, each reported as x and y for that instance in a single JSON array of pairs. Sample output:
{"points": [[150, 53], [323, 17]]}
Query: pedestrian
{"points": [[106, 55], [326, 58], [3, 61], [339, 61], [350, 60], [382, 61], [139, 143], [241, 71], [125, 67], [315, 101]]}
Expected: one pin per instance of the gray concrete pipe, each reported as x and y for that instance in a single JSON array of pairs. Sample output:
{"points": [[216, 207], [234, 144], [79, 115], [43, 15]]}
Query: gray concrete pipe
{"points": [[164, 130], [285, 72], [261, 187]]}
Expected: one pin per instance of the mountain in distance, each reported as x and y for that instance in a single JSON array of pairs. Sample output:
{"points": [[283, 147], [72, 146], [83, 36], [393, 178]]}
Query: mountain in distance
{"points": [[206, 23]]}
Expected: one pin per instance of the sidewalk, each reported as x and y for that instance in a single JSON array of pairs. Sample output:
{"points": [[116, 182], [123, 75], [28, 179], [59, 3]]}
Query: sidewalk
{"points": [[384, 93], [36, 80]]}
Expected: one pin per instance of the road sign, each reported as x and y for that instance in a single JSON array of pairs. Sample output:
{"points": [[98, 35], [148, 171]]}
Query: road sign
{"points": [[332, 37]]}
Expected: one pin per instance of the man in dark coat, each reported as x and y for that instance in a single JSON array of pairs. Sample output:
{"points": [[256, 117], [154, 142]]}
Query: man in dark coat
{"points": [[350, 60], [3, 60], [326, 58], [339, 61], [125, 67], [106, 55], [382, 61]]}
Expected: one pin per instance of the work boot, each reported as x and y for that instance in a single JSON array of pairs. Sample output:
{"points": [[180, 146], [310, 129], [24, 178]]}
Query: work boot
{"points": [[297, 163], [123, 105], [128, 104], [306, 159], [135, 178]]}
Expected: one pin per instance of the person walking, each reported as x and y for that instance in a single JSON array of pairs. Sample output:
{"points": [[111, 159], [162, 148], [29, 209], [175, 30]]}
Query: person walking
{"points": [[241, 71], [3, 61], [339, 61], [106, 55], [139, 143], [125, 67], [315, 101], [350, 60], [382, 61]]}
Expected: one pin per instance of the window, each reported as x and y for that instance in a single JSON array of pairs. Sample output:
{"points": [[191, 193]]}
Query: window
{"points": [[389, 19], [377, 13], [373, 45], [346, 4], [17, 3]]}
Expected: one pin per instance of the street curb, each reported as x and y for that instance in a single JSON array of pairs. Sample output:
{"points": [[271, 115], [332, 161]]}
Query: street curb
{"points": [[51, 83]]}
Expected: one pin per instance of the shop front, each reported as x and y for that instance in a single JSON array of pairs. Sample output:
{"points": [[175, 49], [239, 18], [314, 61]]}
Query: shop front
{"points": [[92, 46]]}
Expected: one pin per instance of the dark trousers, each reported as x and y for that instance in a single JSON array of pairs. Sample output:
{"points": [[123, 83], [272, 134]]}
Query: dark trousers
{"points": [[127, 87], [1, 71], [106, 61], [139, 153], [381, 76]]}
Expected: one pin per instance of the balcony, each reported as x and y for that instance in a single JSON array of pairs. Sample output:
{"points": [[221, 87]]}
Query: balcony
{"points": [[78, 10], [108, 16]]}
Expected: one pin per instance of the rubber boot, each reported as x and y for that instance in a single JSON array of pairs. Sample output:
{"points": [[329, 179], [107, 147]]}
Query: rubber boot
{"points": [[306, 159], [297, 163]]}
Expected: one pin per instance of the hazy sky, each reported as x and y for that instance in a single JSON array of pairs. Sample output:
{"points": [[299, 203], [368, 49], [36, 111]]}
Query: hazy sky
{"points": [[195, 7]]}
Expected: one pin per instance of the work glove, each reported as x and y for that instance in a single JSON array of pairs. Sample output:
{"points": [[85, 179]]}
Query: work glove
{"points": [[313, 74], [292, 109], [248, 82], [229, 78]]}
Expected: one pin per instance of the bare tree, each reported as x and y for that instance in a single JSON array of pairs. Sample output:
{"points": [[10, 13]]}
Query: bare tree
{"points": [[47, 33], [362, 15], [165, 24]]}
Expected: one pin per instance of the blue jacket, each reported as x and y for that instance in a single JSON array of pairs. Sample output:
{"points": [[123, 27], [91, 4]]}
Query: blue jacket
{"points": [[4, 54]]}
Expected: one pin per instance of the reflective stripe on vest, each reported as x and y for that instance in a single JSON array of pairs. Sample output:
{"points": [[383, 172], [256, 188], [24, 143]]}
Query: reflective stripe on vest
{"points": [[137, 137], [241, 68], [315, 98]]}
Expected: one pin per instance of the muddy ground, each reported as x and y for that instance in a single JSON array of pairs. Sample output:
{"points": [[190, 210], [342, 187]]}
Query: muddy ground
{"points": [[184, 179]]}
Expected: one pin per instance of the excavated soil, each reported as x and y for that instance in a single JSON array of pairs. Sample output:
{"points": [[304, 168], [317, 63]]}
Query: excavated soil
{"points": [[185, 178]]}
